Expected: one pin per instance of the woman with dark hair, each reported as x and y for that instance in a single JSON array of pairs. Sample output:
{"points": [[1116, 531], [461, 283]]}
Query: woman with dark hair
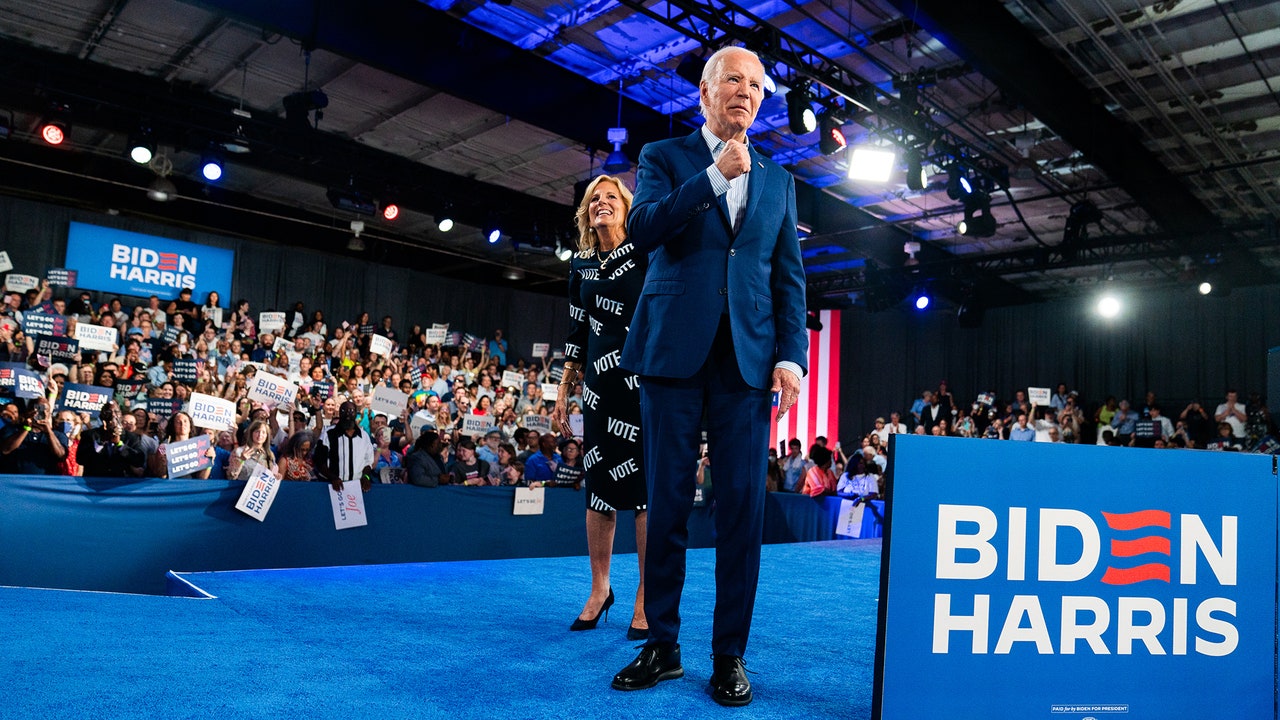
{"points": [[256, 449], [604, 287], [425, 465], [242, 322], [178, 428], [295, 457]]}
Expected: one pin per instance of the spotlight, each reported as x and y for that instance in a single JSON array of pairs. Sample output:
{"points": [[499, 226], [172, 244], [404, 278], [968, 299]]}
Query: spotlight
{"points": [[1108, 306], [958, 183], [920, 299], [563, 253], [617, 161], [800, 115], [1205, 288], [390, 211], [211, 165], [916, 179], [871, 164], [355, 244], [141, 147], [831, 135], [56, 126], [491, 232], [444, 223], [162, 189], [978, 220]]}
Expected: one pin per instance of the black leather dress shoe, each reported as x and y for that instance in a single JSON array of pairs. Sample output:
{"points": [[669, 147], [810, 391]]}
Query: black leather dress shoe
{"points": [[653, 665], [729, 683]]}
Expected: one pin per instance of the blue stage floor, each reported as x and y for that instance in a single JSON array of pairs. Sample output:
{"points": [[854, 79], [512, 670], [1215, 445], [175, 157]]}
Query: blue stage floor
{"points": [[481, 639]]}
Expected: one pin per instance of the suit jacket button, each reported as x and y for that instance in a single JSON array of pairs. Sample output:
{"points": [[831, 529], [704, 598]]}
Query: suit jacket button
{"points": [[731, 252], [706, 206]]}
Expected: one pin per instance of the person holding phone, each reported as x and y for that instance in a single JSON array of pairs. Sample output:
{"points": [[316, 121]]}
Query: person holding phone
{"points": [[34, 446]]}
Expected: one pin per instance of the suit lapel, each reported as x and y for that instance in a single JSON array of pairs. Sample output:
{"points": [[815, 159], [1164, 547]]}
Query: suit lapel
{"points": [[756, 181], [700, 155]]}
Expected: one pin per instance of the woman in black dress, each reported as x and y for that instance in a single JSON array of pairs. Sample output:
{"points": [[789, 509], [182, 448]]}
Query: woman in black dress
{"points": [[604, 285]]}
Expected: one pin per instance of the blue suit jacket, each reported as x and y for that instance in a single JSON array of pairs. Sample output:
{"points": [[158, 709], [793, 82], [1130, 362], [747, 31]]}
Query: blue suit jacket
{"points": [[697, 264]]}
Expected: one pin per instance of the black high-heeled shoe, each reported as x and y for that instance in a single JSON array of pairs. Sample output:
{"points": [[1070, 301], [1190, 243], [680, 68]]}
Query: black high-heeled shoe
{"points": [[580, 624], [635, 633]]}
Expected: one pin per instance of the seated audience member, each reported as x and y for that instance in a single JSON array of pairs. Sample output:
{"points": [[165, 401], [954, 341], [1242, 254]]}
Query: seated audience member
{"points": [[33, 446], [295, 457], [1200, 427], [793, 467], [1124, 422], [1104, 415], [466, 468], [1164, 426], [541, 466], [819, 480], [865, 485], [895, 426], [1053, 435], [569, 470], [1226, 439], [1021, 431], [425, 465], [110, 451]]}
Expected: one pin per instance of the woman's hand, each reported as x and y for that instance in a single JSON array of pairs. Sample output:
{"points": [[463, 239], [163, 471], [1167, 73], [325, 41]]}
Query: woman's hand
{"points": [[560, 418]]}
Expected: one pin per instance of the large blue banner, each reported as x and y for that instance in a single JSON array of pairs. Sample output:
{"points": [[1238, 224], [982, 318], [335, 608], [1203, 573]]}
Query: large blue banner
{"points": [[129, 263], [1029, 580]]}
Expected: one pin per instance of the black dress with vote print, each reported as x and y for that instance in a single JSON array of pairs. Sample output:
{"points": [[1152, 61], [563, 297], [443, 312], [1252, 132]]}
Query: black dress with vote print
{"points": [[603, 292]]}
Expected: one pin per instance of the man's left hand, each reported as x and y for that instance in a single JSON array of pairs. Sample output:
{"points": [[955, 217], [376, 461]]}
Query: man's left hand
{"points": [[788, 384]]}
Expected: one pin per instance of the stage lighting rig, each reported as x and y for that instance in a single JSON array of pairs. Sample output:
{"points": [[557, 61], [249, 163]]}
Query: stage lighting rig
{"points": [[800, 115], [831, 135]]}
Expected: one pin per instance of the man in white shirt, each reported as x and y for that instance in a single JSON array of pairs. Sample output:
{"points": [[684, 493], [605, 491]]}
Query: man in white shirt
{"points": [[1233, 414], [345, 450]]}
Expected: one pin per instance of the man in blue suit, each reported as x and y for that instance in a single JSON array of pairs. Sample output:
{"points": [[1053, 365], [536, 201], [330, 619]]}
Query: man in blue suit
{"points": [[720, 326]]}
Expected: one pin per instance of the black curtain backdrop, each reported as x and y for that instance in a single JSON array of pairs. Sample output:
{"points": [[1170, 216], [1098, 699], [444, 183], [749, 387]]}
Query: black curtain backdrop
{"points": [[273, 277], [1175, 343]]}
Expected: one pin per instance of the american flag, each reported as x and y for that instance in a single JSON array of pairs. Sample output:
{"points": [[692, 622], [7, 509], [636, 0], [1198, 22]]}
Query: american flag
{"points": [[817, 411]]}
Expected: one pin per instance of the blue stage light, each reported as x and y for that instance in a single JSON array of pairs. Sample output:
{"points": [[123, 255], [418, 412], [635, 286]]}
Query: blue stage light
{"points": [[922, 300], [211, 167]]}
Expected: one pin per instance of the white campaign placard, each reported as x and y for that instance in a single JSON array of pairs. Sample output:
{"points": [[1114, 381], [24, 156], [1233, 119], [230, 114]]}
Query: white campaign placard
{"points": [[513, 379], [575, 425], [1038, 396], [5, 263], [96, 337], [271, 390], [849, 523], [20, 283], [421, 420], [379, 345], [541, 349], [212, 314], [440, 326], [270, 321], [530, 501], [207, 411], [476, 425], [435, 336], [282, 345], [541, 423], [259, 492], [348, 506], [550, 392], [388, 401]]}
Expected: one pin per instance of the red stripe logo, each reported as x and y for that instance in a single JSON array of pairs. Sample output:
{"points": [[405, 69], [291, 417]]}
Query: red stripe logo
{"points": [[1142, 519], [168, 261]]}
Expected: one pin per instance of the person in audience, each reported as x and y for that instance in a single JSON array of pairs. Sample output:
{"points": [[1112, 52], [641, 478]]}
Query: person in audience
{"points": [[1226, 439], [110, 451], [1021, 431], [1199, 426], [1124, 422], [177, 429], [1258, 424], [1148, 402], [256, 450], [819, 480], [773, 473], [569, 470], [295, 457], [345, 452], [33, 446], [425, 465], [933, 413], [1103, 416], [466, 468], [71, 426], [793, 466], [1059, 400], [384, 456], [541, 466], [917, 407], [864, 484], [1163, 426]]}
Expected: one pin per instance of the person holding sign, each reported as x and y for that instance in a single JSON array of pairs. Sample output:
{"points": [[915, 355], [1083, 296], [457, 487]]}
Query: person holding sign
{"points": [[345, 451], [178, 429], [604, 285], [719, 328]]}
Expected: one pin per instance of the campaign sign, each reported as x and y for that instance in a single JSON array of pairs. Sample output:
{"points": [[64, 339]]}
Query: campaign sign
{"points": [[476, 425], [15, 282], [415, 375], [170, 334], [62, 276], [1005, 598], [1038, 396], [348, 506], [271, 390], [541, 423], [513, 379], [5, 263], [849, 521], [23, 383], [550, 391], [212, 314], [185, 370], [435, 336], [541, 349], [575, 425], [58, 349], [44, 324], [530, 501], [259, 492], [439, 326], [270, 321], [163, 408], [187, 457], [379, 345], [454, 338], [129, 263], [321, 390], [211, 412], [96, 337], [83, 398], [388, 401]]}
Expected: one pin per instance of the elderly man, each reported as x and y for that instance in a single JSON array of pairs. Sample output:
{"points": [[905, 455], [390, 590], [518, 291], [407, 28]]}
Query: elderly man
{"points": [[719, 327]]}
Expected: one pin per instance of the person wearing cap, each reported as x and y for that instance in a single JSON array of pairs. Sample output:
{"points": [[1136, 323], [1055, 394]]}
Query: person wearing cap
{"points": [[489, 450], [881, 431], [345, 451]]}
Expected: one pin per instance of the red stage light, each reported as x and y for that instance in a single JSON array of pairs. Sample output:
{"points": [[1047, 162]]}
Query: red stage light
{"points": [[53, 133], [391, 211]]}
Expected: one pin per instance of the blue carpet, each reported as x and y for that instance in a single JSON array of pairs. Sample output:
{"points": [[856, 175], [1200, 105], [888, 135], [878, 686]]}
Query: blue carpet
{"points": [[483, 639]]}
